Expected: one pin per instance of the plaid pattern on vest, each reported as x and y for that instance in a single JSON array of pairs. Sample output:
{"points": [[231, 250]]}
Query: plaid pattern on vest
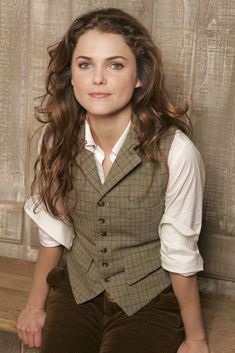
{"points": [[117, 247]]}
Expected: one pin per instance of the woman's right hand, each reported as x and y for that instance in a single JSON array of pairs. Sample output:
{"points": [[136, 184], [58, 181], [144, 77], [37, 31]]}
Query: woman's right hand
{"points": [[32, 319], [29, 325], [198, 346]]}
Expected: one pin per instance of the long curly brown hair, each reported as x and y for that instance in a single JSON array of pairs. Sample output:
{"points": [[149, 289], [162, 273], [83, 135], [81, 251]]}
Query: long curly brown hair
{"points": [[62, 115]]}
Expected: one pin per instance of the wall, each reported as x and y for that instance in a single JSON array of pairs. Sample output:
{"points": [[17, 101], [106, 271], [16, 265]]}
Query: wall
{"points": [[197, 40]]}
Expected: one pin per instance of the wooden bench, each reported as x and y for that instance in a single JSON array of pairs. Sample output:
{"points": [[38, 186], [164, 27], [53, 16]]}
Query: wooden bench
{"points": [[15, 281], [219, 318]]}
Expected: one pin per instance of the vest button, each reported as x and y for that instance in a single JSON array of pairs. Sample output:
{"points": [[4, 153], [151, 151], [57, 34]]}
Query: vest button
{"points": [[101, 220], [103, 250], [101, 203], [107, 279], [103, 234], [105, 264]]}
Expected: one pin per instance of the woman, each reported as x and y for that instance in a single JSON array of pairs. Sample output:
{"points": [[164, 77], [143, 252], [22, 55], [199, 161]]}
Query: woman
{"points": [[115, 174]]}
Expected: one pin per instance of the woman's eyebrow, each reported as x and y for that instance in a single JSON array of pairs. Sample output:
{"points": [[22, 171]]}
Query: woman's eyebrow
{"points": [[110, 58]]}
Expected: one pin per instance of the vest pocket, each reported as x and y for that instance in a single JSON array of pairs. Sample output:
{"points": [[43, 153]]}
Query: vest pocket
{"points": [[141, 264]]}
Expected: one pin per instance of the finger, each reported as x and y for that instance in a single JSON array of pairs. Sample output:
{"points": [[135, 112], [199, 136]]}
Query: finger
{"points": [[30, 339], [30, 336], [18, 331], [19, 326], [24, 336], [38, 339]]}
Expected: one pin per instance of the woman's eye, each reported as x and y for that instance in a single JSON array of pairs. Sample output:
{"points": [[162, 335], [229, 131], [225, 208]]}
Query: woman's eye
{"points": [[84, 66], [117, 66]]}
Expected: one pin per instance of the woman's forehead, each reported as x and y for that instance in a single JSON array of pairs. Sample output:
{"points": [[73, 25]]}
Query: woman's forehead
{"points": [[106, 44]]}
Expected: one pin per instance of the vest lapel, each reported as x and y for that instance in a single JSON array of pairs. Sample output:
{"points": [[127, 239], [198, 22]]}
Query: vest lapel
{"points": [[87, 164], [127, 159]]}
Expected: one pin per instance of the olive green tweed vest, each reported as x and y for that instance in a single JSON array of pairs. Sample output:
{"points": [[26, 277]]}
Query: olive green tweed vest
{"points": [[117, 246]]}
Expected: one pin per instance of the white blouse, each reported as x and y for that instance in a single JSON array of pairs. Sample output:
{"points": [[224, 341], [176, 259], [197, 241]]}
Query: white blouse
{"points": [[181, 222]]}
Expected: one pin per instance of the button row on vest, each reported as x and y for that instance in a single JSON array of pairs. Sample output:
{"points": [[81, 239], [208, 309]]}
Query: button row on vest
{"points": [[103, 234], [103, 250], [101, 220], [101, 203]]}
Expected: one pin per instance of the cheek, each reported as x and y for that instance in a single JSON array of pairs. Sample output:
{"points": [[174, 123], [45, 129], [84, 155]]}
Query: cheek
{"points": [[127, 84], [77, 91], [79, 87], [79, 82], [78, 78]]}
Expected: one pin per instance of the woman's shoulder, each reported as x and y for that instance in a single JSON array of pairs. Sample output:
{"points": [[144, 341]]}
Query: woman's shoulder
{"points": [[183, 148], [182, 142], [181, 138]]}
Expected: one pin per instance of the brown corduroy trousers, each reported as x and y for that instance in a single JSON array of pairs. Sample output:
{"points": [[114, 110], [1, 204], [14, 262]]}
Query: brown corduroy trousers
{"points": [[101, 326]]}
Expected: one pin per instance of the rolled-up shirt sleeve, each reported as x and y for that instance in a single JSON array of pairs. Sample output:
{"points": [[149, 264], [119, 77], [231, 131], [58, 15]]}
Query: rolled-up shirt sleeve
{"points": [[180, 225], [52, 231], [46, 240]]}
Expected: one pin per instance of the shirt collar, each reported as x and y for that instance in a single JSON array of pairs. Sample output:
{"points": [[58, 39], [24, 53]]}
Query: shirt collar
{"points": [[91, 145]]}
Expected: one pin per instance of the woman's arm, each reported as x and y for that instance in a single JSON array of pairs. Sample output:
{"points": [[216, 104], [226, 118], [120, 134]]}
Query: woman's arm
{"points": [[32, 318], [48, 258], [187, 294]]}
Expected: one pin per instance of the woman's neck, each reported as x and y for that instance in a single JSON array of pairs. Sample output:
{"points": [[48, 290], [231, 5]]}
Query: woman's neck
{"points": [[107, 130]]}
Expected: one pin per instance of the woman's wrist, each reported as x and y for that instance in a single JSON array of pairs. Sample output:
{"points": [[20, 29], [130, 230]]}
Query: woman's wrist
{"points": [[197, 339], [36, 303], [195, 344], [34, 306]]}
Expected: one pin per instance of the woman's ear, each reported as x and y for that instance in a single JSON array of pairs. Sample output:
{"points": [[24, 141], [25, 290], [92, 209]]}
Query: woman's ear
{"points": [[71, 81], [138, 83]]}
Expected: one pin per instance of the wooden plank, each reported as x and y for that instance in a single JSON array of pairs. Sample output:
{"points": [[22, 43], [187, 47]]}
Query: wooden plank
{"points": [[48, 22], [213, 113], [13, 92], [16, 266], [143, 10], [82, 6], [26, 349], [218, 253], [12, 303], [9, 343], [11, 217], [13, 112], [219, 309], [11, 250], [216, 286], [174, 31], [15, 282]]}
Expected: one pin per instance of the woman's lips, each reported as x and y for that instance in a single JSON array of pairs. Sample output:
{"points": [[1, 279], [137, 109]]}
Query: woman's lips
{"points": [[99, 94]]}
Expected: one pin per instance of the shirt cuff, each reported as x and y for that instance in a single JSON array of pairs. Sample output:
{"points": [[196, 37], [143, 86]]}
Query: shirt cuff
{"points": [[179, 251], [55, 228]]}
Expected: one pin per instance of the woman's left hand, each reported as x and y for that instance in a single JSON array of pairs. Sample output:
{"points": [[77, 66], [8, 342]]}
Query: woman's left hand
{"points": [[194, 347]]}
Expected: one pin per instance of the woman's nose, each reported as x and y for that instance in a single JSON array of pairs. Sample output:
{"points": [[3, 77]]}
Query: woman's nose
{"points": [[99, 76]]}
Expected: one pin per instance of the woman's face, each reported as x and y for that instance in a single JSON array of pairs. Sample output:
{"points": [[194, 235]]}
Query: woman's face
{"points": [[104, 74]]}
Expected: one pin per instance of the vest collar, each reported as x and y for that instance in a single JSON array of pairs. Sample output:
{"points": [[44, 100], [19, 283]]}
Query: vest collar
{"points": [[126, 160]]}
